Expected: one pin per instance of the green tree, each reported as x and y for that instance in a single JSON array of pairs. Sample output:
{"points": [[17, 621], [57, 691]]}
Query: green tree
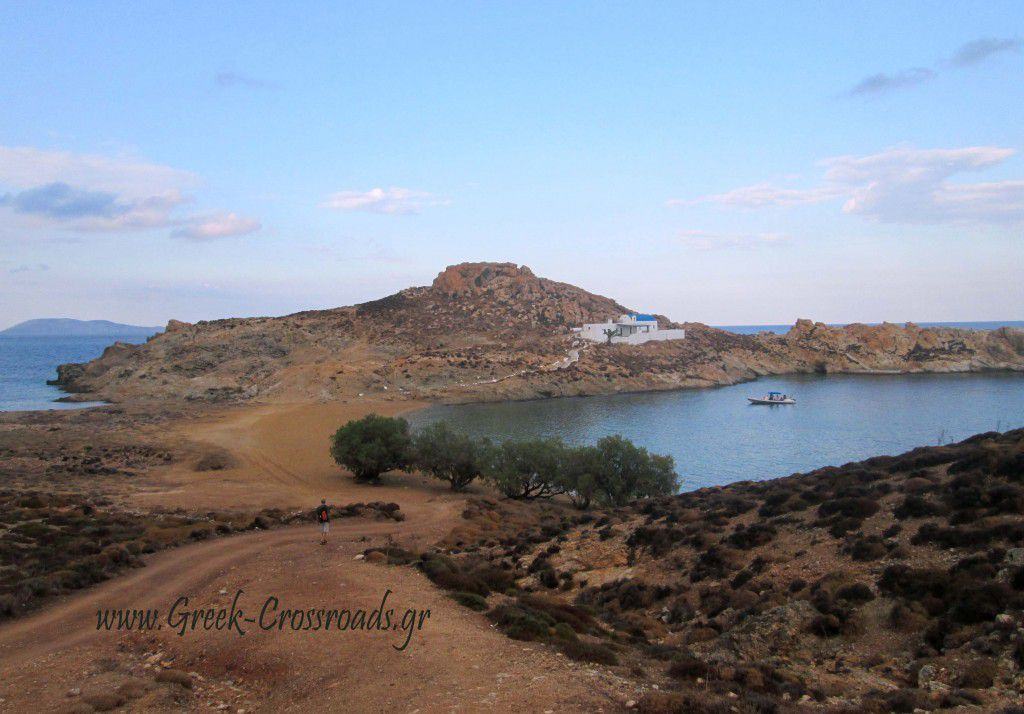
{"points": [[450, 456], [581, 467], [628, 472], [372, 445], [610, 334], [528, 469]]}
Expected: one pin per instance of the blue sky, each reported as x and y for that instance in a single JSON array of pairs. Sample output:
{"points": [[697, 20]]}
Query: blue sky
{"points": [[722, 162]]}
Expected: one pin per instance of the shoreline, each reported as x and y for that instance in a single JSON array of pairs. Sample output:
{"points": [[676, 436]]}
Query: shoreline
{"points": [[717, 438], [751, 380]]}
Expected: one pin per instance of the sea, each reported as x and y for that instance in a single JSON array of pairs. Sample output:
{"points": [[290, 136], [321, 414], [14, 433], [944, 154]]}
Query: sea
{"points": [[27, 362], [782, 329], [714, 435]]}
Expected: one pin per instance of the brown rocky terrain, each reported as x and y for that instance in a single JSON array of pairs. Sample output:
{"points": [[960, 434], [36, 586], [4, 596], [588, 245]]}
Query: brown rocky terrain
{"points": [[217, 441], [87, 498], [892, 584], [491, 331]]}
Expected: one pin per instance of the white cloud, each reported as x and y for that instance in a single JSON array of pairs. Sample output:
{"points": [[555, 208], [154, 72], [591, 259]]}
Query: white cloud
{"points": [[88, 193], [761, 195], [218, 226], [900, 185], [23, 167], [707, 240], [393, 201]]}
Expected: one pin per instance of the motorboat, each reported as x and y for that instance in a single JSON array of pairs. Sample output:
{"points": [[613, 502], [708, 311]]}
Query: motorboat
{"points": [[772, 398]]}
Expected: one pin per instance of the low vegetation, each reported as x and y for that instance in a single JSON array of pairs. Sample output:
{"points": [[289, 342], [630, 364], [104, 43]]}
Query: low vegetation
{"points": [[892, 584], [55, 543]]}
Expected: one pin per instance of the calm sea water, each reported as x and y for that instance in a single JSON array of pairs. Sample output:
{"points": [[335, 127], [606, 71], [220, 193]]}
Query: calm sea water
{"points": [[782, 329], [716, 437], [27, 362]]}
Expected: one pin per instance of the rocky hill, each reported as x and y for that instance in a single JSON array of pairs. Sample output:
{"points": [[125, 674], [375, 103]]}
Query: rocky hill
{"points": [[486, 331], [895, 584]]}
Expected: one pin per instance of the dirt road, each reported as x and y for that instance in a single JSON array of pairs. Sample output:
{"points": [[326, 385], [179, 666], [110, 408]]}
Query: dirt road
{"points": [[455, 662]]}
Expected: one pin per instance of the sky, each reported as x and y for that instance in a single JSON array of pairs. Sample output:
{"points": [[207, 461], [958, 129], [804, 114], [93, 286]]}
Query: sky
{"points": [[729, 163]]}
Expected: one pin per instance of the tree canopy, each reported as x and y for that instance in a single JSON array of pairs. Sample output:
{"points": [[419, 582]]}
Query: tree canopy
{"points": [[628, 472], [528, 469], [372, 445], [613, 472], [450, 456]]}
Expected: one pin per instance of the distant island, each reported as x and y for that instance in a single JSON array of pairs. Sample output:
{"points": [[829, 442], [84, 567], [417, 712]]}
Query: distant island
{"points": [[66, 327]]}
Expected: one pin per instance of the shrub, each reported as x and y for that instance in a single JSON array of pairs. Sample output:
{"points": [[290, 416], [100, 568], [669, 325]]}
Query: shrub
{"points": [[470, 600], [914, 506], [826, 626], [658, 540], [623, 595], [1011, 467], [841, 526], [372, 445], [957, 537], [7, 606], [450, 456], [752, 536], [850, 507], [548, 577], [857, 592], [579, 619], [713, 563], [496, 579], [522, 623], [582, 651], [978, 674], [680, 703], [174, 676], [446, 574], [686, 666], [913, 583], [867, 548], [980, 603], [105, 701], [906, 700]]}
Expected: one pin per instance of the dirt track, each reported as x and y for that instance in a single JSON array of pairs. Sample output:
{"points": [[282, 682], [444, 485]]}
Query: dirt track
{"points": [[456, 662]]}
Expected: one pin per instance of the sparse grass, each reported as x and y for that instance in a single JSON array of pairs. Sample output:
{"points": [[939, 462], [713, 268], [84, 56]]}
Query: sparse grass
{"points": [[61, 542]]}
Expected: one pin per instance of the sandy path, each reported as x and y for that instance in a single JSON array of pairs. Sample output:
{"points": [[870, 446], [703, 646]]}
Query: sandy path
{"points": [[456, 662], [282, 460]]}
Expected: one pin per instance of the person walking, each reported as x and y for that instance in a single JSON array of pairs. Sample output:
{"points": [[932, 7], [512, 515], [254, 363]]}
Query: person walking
{"points": [[323, 517]]}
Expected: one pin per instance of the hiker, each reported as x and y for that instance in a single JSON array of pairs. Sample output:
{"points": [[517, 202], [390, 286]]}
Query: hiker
{"points": [[323, 517]]}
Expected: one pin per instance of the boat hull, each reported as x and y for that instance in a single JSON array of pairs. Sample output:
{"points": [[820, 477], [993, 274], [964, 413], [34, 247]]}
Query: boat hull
{"points": [[755, 400]]}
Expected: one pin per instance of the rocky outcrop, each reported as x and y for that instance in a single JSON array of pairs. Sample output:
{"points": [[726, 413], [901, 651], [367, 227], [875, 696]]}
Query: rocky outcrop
{"points": [[488, 331]]}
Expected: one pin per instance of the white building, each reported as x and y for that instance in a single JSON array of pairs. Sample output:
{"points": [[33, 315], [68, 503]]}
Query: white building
{"points": [[630, 329]]}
